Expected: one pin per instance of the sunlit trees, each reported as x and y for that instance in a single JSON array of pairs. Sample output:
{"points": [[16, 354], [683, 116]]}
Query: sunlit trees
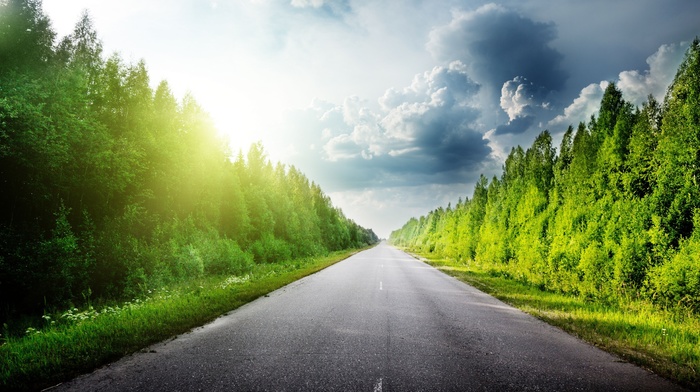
{"points": [[110, 187], [676, 196], [613, 215]]}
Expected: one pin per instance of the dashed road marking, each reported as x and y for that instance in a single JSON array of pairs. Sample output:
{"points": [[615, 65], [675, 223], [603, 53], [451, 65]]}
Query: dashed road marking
{"points": [[378, 385]]}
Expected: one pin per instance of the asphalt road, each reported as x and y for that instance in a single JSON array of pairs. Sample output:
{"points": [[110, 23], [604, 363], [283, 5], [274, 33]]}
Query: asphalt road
{"points": [[378, 321]]}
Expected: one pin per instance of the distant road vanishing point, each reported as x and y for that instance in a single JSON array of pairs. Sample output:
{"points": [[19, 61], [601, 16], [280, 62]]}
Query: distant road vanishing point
{"points": [[378, 321]]}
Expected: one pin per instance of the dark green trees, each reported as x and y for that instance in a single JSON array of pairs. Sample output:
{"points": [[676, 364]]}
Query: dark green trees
{"points": [[109, 187], [26, 38], [614, 214]]}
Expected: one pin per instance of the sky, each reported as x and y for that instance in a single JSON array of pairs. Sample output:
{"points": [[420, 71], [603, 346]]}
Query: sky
{"points": [[395, 107]]}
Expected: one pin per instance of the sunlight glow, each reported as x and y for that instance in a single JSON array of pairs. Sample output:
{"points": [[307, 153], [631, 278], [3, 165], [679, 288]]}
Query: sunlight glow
{"points": [[248, 104]]}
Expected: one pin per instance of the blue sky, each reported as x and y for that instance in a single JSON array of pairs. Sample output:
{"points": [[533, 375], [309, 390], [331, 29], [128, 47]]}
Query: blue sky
{"points": [[395, 107]]}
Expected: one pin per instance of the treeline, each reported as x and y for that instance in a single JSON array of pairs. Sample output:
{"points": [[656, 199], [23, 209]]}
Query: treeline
{"points": [[614, 215], [109, 187]]}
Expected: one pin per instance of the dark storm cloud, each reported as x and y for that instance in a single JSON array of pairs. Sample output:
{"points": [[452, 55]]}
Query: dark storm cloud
{"points": [[498, 44], [422, 134], [444, 141], [498, 86], [431, 123], [515, 126]]}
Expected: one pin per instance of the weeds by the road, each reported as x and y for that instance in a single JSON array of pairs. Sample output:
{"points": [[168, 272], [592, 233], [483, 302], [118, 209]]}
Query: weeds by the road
{"points": [[79, 340], [666, 342]]}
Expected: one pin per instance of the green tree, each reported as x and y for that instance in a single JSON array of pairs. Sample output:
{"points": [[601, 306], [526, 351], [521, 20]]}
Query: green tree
{"points": [[26, 37], [676, 195]]}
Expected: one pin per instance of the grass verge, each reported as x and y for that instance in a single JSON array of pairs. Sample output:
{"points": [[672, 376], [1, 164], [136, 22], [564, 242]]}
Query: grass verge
{"points": [[79, 341], [665, 342]]}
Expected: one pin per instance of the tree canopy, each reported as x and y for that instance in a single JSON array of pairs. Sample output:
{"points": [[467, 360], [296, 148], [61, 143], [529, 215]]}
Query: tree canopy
{"points": [[109, 186], [615, 213]]}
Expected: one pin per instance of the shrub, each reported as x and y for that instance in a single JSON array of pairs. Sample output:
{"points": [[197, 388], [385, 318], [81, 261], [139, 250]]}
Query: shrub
{"points": [[677, 281], [225, 257], [593, 267], [269, 249]]}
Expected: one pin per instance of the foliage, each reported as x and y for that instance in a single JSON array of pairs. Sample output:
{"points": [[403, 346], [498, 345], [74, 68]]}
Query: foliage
{"points": [[664, 341], [81, 339], [110, 187], [613, 216], [677, 281]]}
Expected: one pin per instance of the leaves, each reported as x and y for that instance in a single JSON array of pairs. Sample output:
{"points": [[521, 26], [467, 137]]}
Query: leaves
{"points": [[615, 214], [109, 187]]}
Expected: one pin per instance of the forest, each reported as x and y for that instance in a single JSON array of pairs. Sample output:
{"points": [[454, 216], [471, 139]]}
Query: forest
{"points": [[613, 214], [110, 187]]}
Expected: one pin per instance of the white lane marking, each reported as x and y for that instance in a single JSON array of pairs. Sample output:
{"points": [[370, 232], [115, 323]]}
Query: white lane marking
{"points": [[380, 285], [378, 386]]}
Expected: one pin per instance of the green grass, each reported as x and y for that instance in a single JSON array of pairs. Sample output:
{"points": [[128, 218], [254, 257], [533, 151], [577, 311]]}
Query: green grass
{"points": [[78, 341], [663, 341]]}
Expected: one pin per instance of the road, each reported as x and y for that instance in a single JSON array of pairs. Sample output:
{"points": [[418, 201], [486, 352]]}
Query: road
{"points": [[378, 321]]}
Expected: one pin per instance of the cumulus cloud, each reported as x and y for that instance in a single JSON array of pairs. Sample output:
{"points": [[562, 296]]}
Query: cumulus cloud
{"points": [[498, 44], [451, 81], [583, 107], [522, 102], [341, 147], [420, 134], [509, 54], [432, 120], [518, 98], [427, 117], [433, 130], [663, 64], [636, 86]]}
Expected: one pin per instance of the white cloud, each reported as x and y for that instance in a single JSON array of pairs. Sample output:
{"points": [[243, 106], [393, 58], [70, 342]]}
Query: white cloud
{"points": [[663, 64], [341, 147], [635, 85], [360, 134], [423, 133], [518, 98], [395, 153], [429, 119], [307, 3], [583, 107], [356, 111]]}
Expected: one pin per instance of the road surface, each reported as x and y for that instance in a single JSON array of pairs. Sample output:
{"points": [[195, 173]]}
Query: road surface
{"points": [[378, 321]]}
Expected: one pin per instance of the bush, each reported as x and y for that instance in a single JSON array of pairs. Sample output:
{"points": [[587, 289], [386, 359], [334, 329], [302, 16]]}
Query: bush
{"points": [[189, 262], [225, 257], [62, 262], [677, 281], [269, 249], [593, 267]]}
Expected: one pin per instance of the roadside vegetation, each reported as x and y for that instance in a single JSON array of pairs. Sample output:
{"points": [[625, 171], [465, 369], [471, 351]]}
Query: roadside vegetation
{"points": [[123, 210], [664, 341], [601, 237], [111, 188], [78, 340]]}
